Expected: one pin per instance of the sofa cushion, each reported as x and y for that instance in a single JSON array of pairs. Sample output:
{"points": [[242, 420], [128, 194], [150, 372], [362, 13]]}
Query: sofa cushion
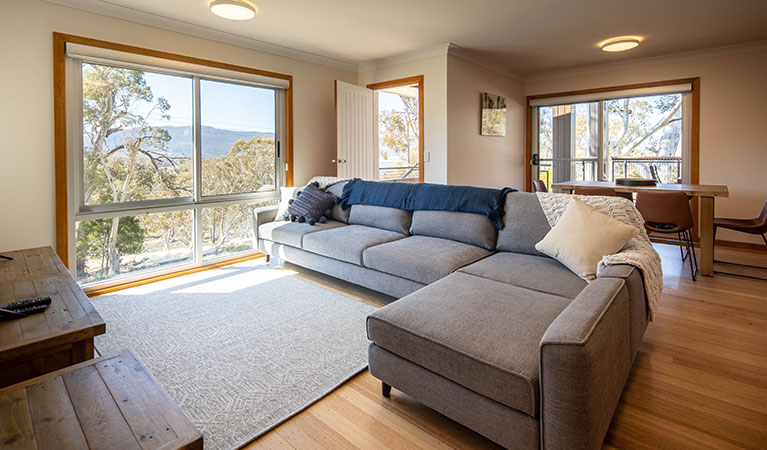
{"points": [[338, 213], [421, 258], [347, 243], [472, 229], [479, 333], [539, 273], [292, 233], [524, 224], [391, 219]]}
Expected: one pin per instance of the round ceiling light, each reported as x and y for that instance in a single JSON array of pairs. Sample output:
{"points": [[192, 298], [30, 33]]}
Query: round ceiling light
{"points": [[620, 43], [233, 9]]}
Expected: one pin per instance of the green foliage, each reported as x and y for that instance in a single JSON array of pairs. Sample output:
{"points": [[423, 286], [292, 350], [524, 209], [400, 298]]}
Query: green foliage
{"points": [[93, 237]]}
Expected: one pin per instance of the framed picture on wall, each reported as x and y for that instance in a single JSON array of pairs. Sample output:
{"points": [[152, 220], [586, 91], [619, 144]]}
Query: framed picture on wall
{"points": [[493, 115]]}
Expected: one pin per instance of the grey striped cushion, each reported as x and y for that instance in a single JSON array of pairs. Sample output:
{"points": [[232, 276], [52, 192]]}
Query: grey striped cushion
{"points": [[311, 205]]}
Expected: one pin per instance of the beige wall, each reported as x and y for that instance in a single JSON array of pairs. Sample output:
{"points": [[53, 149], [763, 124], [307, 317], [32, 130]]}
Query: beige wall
{"points": [[26, 108], [473, 159], [733, 118], [434, 71]]}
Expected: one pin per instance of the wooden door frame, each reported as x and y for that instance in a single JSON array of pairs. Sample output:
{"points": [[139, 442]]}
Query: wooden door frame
{"points": [[417, 79], [61, 150]]}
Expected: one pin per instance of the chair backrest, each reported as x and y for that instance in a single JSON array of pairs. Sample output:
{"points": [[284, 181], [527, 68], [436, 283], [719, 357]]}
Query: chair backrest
{"points": [[665, 207], [595, 190], [654, 173], [540, 186], [763, 215]]}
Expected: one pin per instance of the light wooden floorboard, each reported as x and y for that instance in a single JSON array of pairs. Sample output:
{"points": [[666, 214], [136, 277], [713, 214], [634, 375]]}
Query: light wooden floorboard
{"points": [[699, 380]]}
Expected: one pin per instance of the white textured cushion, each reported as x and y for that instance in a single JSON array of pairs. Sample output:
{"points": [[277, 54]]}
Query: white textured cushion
{"points": [[583, 236], [286, 194]]}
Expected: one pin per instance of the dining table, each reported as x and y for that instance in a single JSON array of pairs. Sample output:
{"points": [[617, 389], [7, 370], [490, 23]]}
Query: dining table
{"points": [[706, 193]]}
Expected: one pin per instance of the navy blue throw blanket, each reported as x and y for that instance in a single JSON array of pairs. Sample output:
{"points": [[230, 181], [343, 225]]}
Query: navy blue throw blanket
{"points": [[428, 196]]}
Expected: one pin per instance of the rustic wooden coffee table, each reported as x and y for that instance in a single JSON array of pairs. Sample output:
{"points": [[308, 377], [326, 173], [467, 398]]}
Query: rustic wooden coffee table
{"points": [[51, 340], [108, 402]]}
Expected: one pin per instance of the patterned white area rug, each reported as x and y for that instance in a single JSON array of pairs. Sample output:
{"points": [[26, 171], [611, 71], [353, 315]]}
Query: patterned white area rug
{"points": [[240, 348]]}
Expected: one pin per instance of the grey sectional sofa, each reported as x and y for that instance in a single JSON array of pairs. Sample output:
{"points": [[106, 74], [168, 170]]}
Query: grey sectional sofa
{"points": [[486, 330]]}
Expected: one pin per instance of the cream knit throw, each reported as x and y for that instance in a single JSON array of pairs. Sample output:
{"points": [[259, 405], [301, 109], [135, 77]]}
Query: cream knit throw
{"points": [[638, 252]]}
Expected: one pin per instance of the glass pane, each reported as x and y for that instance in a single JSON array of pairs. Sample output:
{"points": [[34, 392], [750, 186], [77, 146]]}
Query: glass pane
{"points": [[567, 147], [228, 230], [115, 247], [398, 140], [137, 135], [644, 133], [238, 145]]}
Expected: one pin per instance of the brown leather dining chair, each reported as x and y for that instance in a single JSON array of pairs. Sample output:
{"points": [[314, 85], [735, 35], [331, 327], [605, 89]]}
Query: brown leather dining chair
{"points": [[599, 190], [540, 186], [669, 212], [749, 226]]}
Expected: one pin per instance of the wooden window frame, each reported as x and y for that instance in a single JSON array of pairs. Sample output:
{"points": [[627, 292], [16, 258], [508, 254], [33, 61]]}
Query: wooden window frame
{"points": [[406, 82], [694, 127], [694, 121], [61, 150]]}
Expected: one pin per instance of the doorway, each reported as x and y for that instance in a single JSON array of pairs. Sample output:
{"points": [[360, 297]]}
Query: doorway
{"points": [[399, 139]]}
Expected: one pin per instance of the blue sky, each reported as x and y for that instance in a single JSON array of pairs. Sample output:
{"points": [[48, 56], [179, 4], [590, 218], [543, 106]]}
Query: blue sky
{"points": [[223, 105]]}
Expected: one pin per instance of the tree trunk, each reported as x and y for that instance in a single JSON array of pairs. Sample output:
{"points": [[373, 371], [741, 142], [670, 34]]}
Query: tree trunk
{"points": [[114, 257]]}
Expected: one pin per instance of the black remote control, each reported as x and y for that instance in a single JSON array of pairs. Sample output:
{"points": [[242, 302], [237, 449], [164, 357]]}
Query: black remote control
{"points": [[29, 303]]}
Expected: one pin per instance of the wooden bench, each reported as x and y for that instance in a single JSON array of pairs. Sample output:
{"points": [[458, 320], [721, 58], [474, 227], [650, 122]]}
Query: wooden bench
{"points": [[108, 402]]}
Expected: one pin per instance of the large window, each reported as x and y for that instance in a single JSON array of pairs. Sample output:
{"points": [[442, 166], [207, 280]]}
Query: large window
{"points": [[167, 165], [620, 136]]}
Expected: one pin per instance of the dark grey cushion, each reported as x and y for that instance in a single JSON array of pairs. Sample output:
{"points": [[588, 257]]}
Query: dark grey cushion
{"points": [[479, 333], [347, 243], [539, 273], [292, 233], [472, 229], [311, 205], [421, 258], [524, 224], [391, 219], [338, 213]]}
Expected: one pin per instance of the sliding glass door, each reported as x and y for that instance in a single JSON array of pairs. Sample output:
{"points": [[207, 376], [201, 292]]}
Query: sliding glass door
{"points": [[635, 137], [168, 167]]}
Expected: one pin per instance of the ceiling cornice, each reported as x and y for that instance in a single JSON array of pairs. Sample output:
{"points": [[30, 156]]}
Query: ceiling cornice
{"points": [[402, 58], [121, 12], [664, 59], [487, 63]]}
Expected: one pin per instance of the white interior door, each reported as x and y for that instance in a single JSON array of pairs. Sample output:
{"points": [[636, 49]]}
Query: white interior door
{"points": [[356, 154]]}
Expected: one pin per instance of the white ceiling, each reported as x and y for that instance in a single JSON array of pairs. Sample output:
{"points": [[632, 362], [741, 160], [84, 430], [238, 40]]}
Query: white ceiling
{"points": [[524, 37]]}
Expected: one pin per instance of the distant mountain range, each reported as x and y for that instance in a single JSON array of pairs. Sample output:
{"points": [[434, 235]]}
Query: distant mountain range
{"points": [[215, 141]]}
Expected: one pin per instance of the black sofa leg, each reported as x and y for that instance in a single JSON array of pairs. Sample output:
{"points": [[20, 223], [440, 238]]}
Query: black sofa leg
{"points": [[385, 390], [268, 258]]}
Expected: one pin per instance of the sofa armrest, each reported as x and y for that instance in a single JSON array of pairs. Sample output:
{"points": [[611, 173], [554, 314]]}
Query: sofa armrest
{"points": [[264, 214], [585, 359], [639, 311]]}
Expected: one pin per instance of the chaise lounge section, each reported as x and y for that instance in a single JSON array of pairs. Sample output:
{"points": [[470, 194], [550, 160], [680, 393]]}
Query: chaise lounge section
{"points": [[486, 330]]}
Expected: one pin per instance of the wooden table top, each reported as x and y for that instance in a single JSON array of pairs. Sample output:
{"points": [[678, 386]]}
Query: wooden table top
{"points": [[38, 272], [695, 190], [109, 402]]}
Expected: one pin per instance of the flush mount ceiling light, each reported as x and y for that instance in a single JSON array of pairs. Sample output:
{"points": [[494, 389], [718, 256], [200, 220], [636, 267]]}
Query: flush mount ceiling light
{"points": [[620, 43], [233, 9]]}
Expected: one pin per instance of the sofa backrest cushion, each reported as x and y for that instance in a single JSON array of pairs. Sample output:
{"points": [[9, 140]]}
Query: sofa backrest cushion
{"points": [[391, 219], [472, 229], [524, 224], [339, 213]]}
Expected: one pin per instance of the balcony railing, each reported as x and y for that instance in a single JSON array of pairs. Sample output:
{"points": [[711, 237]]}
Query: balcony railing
{"points": [[400, 173], [669, 168]]}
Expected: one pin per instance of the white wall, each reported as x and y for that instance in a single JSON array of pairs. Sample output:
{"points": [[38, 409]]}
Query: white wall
{"points": [[473, 159], [434, 71], [27, 213], [733, 117]]}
